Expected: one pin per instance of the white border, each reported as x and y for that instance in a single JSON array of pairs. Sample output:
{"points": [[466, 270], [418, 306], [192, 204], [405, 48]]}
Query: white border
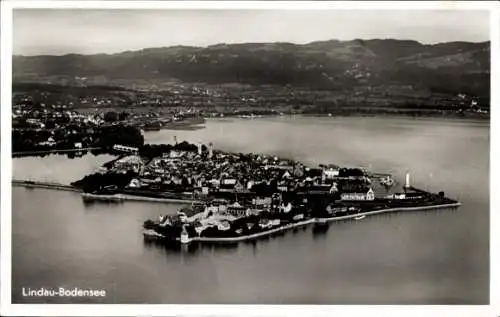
{"points": [[7, 309], [6, 161], [494, 168], [289, 5]]}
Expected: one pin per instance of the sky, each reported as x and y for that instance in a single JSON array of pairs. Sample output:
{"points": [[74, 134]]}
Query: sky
{"points": [[85, 31]]}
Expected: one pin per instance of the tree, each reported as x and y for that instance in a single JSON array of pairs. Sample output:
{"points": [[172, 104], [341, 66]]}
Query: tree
{"points": [[123, 116], [111, 116]]}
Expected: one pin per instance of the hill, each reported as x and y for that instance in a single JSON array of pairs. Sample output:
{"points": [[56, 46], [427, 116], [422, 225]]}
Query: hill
{"points": [[455, 67]]}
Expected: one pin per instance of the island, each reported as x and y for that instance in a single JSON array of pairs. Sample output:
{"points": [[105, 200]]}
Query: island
{"points": [[231, 197], [234, 196]]}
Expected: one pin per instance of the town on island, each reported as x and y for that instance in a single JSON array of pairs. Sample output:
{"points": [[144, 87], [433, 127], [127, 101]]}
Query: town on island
{"points": [[233, 197]]}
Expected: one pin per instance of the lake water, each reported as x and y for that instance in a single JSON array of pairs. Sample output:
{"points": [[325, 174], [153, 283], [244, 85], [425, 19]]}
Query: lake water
{"points": [[431, 257]]}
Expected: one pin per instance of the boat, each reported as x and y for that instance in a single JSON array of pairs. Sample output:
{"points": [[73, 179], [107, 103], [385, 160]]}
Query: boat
{"points": [[360, 217], [321, 221], [188, 118], [100, 197], [29, 184], [320, 225], [387, 181]]}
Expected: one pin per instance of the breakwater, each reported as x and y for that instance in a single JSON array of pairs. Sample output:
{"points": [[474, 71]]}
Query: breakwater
{"points": [[93, 197], [153, 234]]}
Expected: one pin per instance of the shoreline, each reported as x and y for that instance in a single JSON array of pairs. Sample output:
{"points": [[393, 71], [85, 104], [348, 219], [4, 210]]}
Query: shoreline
{"points": [[422, 115], [152, 234], [474, 117]]}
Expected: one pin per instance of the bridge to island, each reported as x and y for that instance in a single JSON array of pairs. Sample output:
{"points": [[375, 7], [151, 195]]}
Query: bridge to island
{"points": [[29, 153]]}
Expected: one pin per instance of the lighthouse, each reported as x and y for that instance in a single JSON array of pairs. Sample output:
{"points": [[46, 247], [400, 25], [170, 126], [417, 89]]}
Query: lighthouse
{"points": [[184, 235], [199, 148], [407, 182]]}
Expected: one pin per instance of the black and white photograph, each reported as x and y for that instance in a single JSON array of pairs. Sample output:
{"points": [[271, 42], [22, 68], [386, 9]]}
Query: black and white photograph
{"points": [[233, 154]]}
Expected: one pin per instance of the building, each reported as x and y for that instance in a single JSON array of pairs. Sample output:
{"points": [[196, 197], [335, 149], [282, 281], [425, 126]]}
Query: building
{"points": [[261, 202], [134, 183], [370, 195], [265, 223], [319, 189], [125, 149], [330, 173], [236, 210], [406, 196], [230, 185], [129, 163]]}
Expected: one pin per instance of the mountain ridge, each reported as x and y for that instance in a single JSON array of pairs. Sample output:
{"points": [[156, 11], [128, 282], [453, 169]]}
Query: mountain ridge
{"points": [[332, 65], [257, 43]]}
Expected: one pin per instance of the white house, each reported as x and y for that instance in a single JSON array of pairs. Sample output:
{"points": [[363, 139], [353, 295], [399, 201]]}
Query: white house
{"points": [[229, 181], [223, 226], [286, 175], [275, 222], [330, 173], [334, 188], [134, 183], [298, 217], [236, 210], [286, 208], [261, 201]]}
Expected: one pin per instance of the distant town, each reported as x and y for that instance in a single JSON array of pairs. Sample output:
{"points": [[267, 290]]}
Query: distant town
{"points": [[47, 117], [245, 100]]}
